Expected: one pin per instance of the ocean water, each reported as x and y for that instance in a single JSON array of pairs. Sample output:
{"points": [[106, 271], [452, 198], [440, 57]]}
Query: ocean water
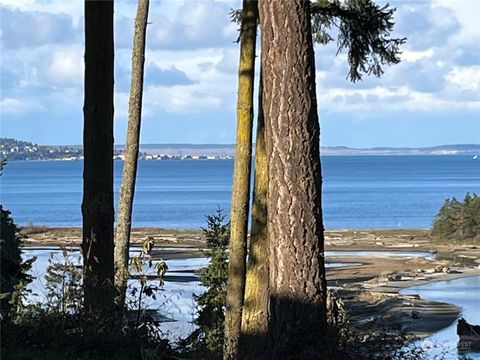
{"points": [[358, 191]]}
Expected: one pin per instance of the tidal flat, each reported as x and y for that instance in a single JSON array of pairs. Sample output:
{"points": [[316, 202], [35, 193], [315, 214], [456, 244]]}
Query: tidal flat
{"points": [[369, 269]]}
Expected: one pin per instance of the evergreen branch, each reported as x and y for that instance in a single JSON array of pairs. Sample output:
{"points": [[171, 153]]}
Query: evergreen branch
{"points": [[364, 29]]}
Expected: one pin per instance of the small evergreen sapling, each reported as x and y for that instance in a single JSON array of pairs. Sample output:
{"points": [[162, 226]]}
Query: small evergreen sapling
{"points": [[207, 339]]}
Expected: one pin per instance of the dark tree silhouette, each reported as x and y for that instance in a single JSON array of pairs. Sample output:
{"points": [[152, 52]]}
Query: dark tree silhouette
{"points": [[97, 205]]}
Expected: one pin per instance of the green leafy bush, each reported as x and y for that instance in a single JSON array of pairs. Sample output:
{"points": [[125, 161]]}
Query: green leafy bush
{"points": [[458, 220], [148, 277], [64, 283]]}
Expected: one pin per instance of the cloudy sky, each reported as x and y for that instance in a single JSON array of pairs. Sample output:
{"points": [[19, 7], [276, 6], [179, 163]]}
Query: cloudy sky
{"points": [[431, 98]]}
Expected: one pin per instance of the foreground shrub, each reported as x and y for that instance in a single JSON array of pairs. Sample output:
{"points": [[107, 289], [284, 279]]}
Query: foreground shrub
{"points": [[60, 328], [43, 334], [13, 270]]}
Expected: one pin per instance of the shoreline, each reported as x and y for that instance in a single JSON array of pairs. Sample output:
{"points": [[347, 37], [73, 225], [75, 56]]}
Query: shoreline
{"points": [[370, 289], [408, 312], [216, 156], [57, 235]]}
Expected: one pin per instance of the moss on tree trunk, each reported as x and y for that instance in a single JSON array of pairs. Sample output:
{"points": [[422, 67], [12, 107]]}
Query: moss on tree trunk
{"points": [[255, 309], [241, 181]]}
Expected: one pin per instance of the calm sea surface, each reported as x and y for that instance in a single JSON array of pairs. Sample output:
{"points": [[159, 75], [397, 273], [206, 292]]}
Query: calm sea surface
{"points": [[359, 191]]}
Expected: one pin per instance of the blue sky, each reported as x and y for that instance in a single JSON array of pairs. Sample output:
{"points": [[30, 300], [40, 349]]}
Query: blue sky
{"points": [[431, 98]]}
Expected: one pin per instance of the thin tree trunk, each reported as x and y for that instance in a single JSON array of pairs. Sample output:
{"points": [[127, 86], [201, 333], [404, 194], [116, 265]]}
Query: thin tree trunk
{"points": [[97, 205], [295, 225], [241, 181], [127, 191], [255, 309]]}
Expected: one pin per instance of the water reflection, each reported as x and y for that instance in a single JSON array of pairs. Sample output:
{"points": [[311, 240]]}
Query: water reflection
{"points": [[175, 300], [465, 293]]}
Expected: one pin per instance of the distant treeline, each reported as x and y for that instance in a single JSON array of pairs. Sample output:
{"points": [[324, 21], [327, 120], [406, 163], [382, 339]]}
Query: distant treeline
{"points": [[12, 149]]}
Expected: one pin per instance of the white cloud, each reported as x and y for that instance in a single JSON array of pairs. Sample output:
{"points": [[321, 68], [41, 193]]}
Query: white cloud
{"points": [[191, 62], [66, 67], [181, 99], [73, 8], [191, 25], [13, 106], [17, 107], [390, 99], [467, 12], [466, 78], [26, 29], [412, 56], [438, 72], [440, 69]]}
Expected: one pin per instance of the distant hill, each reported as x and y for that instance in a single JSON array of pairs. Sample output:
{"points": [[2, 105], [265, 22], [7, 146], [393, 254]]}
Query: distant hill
{"points": [[190, 149], [229, 150], [22, 150], [460, 149]]}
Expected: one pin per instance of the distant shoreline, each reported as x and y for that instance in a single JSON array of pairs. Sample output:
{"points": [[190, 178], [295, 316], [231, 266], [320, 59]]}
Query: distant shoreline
{"points": [[231, 158], [23, 150]]}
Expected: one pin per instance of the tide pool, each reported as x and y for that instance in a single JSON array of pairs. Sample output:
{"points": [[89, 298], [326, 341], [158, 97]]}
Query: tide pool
{"points": [[463, 292]]}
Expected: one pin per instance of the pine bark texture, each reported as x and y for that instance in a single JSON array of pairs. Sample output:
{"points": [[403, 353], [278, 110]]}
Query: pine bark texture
{"points": [[127, 191], [97, 205], [295, 225], [241, 181], [255, 313]]}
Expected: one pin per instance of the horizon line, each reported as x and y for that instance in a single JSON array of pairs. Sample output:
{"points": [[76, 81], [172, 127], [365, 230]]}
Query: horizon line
{"points": [[253, 144]]}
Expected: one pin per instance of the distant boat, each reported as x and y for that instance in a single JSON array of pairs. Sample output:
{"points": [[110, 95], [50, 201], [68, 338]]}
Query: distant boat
{"points": [[475, 157]]}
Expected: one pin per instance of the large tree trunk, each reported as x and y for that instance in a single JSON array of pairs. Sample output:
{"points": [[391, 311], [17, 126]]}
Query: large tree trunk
{"points": [[241, 181], [97, 206], [255, 309], [295, 225], [127, 191]]}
